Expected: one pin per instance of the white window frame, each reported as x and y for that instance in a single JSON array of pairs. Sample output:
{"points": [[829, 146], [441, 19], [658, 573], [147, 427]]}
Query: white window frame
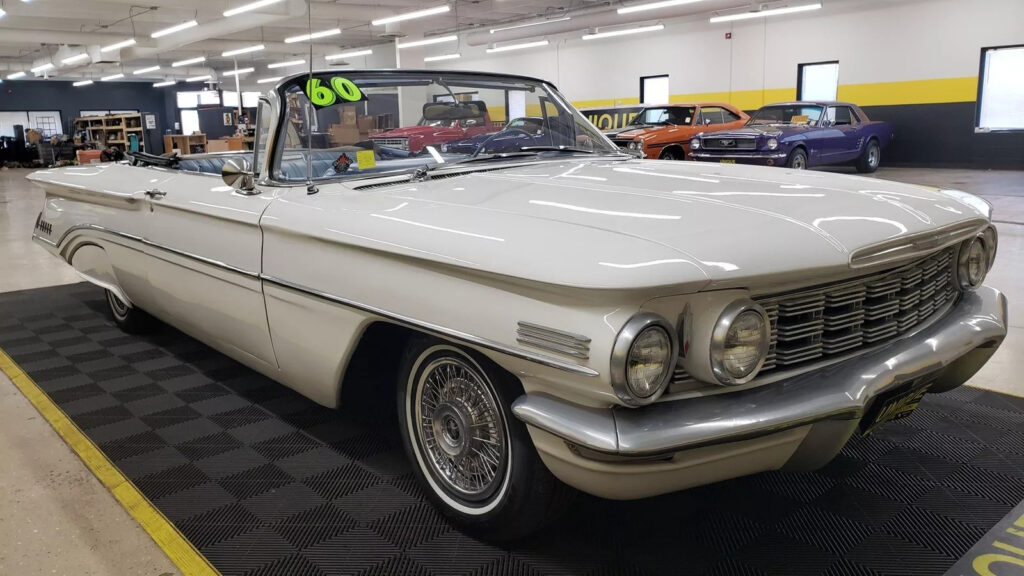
{"points": [[1000, 90], [654, 89], [825, 78]]}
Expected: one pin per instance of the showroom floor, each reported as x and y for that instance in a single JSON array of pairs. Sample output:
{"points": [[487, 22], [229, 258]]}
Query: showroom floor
{"points": [[59, 519]]}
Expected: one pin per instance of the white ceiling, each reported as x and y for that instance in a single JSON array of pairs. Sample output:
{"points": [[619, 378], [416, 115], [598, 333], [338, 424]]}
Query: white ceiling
{"points": [[34, 31]]}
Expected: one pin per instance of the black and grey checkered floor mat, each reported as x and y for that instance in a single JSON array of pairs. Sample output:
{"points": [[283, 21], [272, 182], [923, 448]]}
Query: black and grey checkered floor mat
{"points": [[263, 481]]}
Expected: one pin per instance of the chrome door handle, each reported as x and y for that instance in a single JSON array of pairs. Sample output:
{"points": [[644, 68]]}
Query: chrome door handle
{"points": [[155, 193]]}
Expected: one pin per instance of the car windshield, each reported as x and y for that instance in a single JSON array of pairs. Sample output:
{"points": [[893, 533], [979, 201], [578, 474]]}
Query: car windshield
{"points": [[360, 123], [663, 116], [787, 114]]}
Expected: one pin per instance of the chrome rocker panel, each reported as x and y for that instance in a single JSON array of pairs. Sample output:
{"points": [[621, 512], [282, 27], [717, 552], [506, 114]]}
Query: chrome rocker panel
{"points": [[958, 344]]}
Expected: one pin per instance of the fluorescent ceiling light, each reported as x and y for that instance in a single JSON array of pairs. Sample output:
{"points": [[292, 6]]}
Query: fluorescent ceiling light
{"points": [[654, 6], [517, 46], [2, 13], [42, 68], [352, 54], [528, 24], [286, 64], [173, 29], [250, 6], [313, 36], [411, 15], [16, 75], [428, 41], [119, 45], [239, 72], [266, 80], [189, 61], [625, 32], [146, 70], [763, 13], [75, 58], [162, 84], [198, 78], [117, 76], [444, 57], [245, 50], [82, 83]]}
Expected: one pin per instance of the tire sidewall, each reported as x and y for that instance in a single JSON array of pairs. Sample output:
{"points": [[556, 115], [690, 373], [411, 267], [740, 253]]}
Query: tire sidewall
{"points": [[417, 357], [792, 157]]}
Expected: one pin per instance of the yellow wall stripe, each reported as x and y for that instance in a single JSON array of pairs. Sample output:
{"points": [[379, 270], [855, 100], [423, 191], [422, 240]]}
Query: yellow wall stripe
{"points": [[935, 91], [167, 537]]}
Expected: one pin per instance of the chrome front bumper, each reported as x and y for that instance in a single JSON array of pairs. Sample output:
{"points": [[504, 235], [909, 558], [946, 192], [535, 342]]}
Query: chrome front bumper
{"points": [[952, 349]]}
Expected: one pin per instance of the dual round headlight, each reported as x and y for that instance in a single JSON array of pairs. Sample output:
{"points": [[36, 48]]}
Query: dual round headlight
{"points": [[772, 143], [695, 144], [976, 258], [635, 145], [643, 359], [739, 342]]}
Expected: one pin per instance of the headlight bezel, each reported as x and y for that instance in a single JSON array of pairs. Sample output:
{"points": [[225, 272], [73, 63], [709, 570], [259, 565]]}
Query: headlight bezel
{"points": [[721, 330], [624, 341], [963, 261], [695, 144], [772, 143], [991, 238]]}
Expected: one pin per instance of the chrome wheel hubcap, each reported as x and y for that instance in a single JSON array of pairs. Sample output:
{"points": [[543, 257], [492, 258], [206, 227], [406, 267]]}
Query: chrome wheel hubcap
{"points": [[873, 156], [798, 163], [460, 428]]}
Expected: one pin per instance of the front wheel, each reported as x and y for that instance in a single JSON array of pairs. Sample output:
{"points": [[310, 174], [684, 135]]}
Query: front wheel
{"points": [[797, 160], [671, 154], [870, 158], [474, 459]]}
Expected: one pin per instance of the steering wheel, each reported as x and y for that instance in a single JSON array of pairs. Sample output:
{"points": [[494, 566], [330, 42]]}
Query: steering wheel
{"points": [[503, 133]]}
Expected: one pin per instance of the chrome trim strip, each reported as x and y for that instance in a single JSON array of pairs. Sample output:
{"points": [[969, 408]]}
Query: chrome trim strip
{"points": [[843, 391], [916, 244], [438, 330], [141, 240], [433, 328]]}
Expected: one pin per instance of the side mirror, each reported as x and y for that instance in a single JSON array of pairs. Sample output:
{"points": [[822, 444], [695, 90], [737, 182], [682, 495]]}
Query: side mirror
{"points": [[237, 173], [707, 121]]}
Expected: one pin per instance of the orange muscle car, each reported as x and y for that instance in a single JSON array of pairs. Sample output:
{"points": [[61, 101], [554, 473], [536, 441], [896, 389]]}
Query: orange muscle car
{"points": [[664, 132]]}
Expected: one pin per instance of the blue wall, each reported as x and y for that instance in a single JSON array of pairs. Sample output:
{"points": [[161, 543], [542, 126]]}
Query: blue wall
{"points": [[37, 95]]}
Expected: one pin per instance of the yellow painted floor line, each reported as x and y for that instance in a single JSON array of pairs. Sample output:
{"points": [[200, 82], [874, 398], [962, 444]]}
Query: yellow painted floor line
{"points": [[167, 537]]}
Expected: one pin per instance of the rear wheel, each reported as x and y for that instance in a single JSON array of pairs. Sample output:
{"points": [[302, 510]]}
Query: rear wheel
{"points": [[474, 459], [127, 317], [797, 160], [870, 158]]}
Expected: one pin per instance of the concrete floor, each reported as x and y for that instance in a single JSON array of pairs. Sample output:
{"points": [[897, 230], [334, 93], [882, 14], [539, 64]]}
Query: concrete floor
{"points": [[56, 518]]}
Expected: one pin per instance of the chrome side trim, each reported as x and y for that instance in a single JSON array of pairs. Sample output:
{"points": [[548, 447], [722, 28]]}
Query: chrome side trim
{"points": [[840, 392], [426, 326], [567, 343], [141, 240], [542, 359], [919, 244]]}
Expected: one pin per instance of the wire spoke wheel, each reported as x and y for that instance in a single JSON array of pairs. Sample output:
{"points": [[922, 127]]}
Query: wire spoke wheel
{"points": [[460, 428]]}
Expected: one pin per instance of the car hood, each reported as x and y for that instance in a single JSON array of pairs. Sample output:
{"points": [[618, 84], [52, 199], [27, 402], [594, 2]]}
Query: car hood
{"points": [[776, 131], [633, 224]]}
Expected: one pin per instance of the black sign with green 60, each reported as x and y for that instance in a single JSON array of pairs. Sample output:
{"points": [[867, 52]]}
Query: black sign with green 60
{"points": [[323, 94]]}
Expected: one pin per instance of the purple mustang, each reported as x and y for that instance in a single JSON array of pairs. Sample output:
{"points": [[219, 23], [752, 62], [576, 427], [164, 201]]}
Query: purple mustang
{"points": [[799, 135]]}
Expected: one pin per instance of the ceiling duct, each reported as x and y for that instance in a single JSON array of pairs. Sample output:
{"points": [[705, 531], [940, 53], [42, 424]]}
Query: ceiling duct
{"points": [[392, 30]]}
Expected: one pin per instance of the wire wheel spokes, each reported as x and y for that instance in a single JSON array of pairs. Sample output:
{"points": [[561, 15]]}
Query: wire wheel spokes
{"points": [[460, 427]]}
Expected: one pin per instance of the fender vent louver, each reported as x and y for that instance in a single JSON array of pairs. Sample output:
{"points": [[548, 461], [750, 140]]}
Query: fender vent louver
{"points": [[567, 343]]}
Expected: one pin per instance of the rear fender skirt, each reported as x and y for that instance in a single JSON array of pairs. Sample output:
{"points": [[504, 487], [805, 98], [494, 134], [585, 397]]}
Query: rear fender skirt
{"points": [[91, 262]]}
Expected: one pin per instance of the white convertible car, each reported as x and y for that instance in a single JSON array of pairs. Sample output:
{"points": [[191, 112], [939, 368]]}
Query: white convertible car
{"points": [[562, 313]]}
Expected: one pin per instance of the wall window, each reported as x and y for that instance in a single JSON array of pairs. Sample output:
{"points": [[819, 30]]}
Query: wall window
{"points": [[654, 89], [8, 120], [250, 99], [230, 99], [196, 99], [47, 123], [817, 81], [1001, 89], [189, 121]]}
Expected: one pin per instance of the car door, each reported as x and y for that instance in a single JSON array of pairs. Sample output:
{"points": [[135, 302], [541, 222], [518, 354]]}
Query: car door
{"points": [[205, 244], [851, 142], [829, 138]]}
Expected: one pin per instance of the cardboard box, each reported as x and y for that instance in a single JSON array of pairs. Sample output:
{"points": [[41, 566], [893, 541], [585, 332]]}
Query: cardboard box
{"points": [[364, 123], [88, 156], [348, 116], [344, 135]]}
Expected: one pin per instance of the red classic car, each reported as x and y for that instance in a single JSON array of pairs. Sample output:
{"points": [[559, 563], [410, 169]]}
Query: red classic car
{"points": [[436, 132]]}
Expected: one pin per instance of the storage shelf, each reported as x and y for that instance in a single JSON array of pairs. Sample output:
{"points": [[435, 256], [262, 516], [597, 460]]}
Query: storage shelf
{"points": [[111, 130]]}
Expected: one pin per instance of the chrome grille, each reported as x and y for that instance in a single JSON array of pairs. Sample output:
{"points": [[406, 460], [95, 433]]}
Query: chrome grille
{"points": [[820, 322], [400, 143], [728, 143]]}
